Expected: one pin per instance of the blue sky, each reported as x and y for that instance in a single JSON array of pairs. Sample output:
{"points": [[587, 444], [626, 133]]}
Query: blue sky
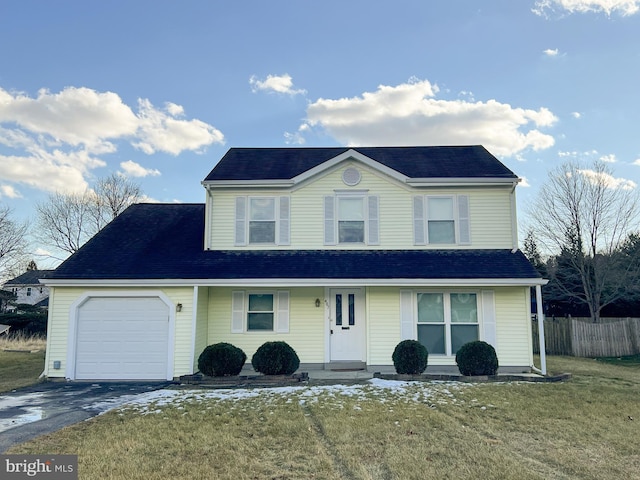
{"points": [[159, 90]]}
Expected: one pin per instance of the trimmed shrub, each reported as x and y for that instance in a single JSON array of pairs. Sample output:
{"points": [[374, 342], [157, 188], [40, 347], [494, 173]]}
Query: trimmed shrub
{"points": [[221, 359], [477, 358], [410, 357], [275, 358]]}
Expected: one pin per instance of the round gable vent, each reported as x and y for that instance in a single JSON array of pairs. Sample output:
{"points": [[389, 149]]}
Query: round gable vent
{"points": [[351, 176]]}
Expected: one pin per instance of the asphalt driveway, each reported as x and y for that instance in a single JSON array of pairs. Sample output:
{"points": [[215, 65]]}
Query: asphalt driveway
{"points": [[43, 408]]}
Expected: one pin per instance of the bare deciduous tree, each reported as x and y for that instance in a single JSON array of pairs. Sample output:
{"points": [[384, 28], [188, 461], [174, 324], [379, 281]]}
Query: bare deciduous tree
{"points": [[584, 217], [67, 220], [113, 194], [12, 241]]}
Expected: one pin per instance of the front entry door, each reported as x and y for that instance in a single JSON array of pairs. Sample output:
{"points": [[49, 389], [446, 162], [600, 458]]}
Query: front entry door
{"points": [[347, 325]]}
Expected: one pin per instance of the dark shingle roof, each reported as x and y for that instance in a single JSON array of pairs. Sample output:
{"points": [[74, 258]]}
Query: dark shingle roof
{"points": [[165, 241], [30, 277], [472, 161]]}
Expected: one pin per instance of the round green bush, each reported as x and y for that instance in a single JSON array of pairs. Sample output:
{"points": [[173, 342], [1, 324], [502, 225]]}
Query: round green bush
{"points": [[221, 359], [410, 357], [275, 358], [477, 358]]}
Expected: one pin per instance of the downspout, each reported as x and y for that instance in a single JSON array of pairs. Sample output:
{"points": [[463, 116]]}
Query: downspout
{"points": [[543, 352]]}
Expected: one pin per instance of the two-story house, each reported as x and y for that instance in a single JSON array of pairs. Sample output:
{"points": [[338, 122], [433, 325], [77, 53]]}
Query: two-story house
{"points": [[28, 289], [340, 252]]}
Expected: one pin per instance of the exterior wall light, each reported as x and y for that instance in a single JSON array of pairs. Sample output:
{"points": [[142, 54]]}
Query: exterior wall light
{"points": [[179, 307], [317, 302]]}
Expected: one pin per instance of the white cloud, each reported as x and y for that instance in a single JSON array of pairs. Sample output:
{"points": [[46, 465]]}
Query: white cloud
{"points": [[409, 114], [162, 131], [637, 162], [524, 182], [608, 180], [576, 115], [133, 169], [551, 52], [53, 140], [275, 83], [611, 158], [9, 192], [623, 7]]}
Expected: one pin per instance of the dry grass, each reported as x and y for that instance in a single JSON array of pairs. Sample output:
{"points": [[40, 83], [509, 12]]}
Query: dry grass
{"points": [[581, 429], [19, 341]]}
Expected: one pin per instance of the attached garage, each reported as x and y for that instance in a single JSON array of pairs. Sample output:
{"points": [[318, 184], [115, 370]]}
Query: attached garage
{"points": [[122, 338]]}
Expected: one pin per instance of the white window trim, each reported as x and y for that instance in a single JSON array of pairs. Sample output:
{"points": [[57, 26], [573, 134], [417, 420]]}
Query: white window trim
{"points": [[446, 300], [371, 223], [421, 219], [240, 311], [282, 234]]}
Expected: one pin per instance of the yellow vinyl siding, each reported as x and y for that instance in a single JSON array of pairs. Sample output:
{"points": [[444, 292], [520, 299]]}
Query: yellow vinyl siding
{"points": [[383, 324], [202, 325], [490, 212], [513, 326], [513, 329], [59, 317], [306, 323]]}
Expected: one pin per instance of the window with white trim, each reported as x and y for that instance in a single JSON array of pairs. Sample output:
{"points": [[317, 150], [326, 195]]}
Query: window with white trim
{"points": [[447, 320], [260, 312], [262, 220], [351, 219], [441, 219]]}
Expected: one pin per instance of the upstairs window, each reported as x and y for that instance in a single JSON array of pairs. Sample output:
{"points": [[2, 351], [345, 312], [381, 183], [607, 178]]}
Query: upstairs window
{"points": [[262, 221], [28, 291], [441, 220], [351, 219]]}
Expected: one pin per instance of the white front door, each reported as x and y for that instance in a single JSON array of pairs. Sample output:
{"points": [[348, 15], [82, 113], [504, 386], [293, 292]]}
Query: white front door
{"points": [[347, 330]]}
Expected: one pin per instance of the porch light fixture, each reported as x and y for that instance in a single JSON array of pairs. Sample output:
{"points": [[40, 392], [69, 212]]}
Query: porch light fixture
{"points": [[317, 303], [179, 307]]}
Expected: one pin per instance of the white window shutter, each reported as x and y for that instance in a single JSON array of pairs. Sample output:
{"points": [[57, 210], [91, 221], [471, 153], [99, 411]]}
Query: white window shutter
{"points": [[241, 223], [464, 227], [282, 320], [407, 323], [418, 220], [373, 220], [329, 220], [237, 312], [489, 318], [284, 227]]}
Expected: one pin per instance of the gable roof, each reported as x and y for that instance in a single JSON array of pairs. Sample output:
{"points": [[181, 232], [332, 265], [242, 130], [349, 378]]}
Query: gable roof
{"points": [[30, 277], [165, 242], [471, 161]]}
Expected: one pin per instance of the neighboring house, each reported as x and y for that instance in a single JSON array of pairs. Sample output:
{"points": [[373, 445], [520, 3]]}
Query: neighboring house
{"points": [[28, 289], [340, 252]]}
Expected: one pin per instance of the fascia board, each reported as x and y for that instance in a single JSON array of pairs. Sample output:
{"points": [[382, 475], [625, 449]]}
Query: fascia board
{"points": [[462, 181], [248, 183], [306, 282]]}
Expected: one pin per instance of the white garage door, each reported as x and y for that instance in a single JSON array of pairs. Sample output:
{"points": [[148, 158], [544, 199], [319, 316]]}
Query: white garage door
{"points": [[123, 338]]}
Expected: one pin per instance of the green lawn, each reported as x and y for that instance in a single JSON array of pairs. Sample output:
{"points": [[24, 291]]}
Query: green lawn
{"points": [[19, 369], [585, 428]]}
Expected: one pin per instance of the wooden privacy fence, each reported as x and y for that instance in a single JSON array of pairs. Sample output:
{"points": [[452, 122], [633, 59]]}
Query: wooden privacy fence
{"points": [[583, 338]]}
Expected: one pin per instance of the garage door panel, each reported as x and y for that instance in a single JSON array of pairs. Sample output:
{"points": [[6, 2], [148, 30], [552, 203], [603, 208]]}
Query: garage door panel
{"points": [[122, 338]]}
